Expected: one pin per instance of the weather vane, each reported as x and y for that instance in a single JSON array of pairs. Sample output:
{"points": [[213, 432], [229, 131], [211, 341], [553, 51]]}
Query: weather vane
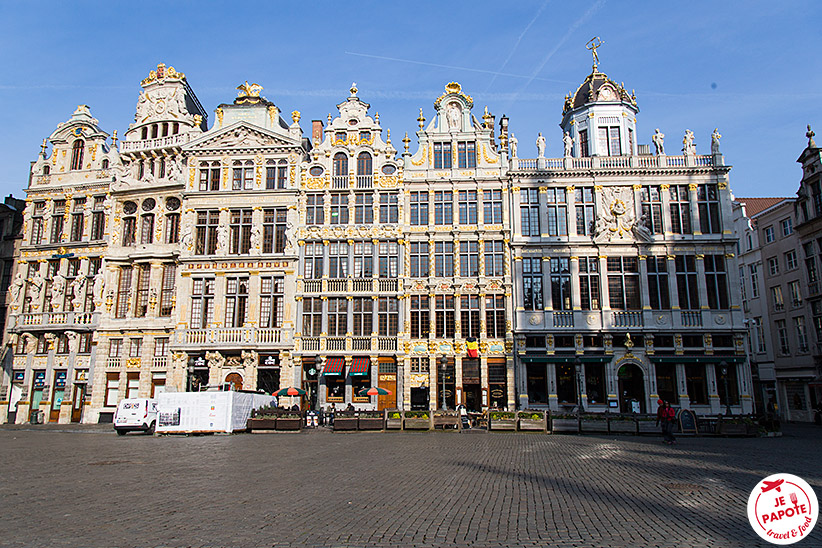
{"points": [[592, 45]]}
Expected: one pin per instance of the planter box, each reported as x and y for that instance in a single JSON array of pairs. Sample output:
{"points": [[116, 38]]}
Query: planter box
{"points": [[732, 429], [622, 427], [444, 421], [417, 424], [595, 425], [345, 423], [503, 424], [289, 423], [649, 427], [564, 425], [261, 424], [532, 425], [393, 424], [370, 423]]}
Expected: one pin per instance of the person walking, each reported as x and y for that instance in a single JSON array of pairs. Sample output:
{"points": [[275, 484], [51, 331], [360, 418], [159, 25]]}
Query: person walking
{"points": [[668, 421]]}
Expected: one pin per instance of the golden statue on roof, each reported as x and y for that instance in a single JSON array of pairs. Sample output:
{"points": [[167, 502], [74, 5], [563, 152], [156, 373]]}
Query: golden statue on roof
{"points": [[249, 90], [592, 45]]}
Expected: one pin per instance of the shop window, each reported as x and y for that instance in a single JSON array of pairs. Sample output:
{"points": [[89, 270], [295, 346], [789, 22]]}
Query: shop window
{"points": [[666, 383], [566, 384], [595, 383], [697, 383]]}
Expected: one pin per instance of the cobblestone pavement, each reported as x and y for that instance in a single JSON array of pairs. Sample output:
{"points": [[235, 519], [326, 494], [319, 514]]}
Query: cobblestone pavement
{"points": [[88, 487]]}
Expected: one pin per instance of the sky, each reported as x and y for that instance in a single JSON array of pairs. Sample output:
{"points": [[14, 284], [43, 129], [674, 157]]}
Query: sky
{"points": [[749, 68]]}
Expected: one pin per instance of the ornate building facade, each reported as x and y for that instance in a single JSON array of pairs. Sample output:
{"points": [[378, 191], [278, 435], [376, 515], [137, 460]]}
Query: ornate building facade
{"points": [[455, 274]]}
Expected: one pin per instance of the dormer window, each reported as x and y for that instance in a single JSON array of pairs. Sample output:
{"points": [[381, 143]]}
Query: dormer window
{"points": [[365, 136], [46, 169], [609, 143], [77, 154], [339, 136], [105, 163]]}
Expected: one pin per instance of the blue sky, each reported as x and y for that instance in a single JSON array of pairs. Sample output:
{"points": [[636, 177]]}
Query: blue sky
{"points": [[749, 68]]}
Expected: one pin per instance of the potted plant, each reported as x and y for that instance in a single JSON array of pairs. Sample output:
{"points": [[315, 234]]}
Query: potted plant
{"points": [[621, 424], [345, 420], [446, 419], [593, 422], [417, 420], [646, 424], [264, 418], [502, 420], [531, 420], [370, 420], [737, 426], [564, 422], [393, 419], [289, 421]]}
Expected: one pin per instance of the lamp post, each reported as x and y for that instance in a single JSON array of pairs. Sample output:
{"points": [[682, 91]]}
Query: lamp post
{"points": [[578, 368], [724, 369], [443, 362]]}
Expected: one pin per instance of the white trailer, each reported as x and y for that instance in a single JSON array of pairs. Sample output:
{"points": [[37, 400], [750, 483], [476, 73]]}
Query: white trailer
{"points": [[207, 412]]}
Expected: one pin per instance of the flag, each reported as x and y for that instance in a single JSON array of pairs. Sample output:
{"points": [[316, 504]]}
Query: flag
{"points": [[472, 347]]}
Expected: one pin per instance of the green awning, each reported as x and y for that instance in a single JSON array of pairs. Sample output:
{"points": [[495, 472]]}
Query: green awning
{"points": [[697, 359]]}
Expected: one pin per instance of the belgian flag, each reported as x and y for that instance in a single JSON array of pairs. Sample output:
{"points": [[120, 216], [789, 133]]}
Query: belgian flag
{"points": [[472, 347]]}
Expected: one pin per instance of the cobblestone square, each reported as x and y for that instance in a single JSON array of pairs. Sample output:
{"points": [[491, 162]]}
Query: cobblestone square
{"points": [[85, 486]]}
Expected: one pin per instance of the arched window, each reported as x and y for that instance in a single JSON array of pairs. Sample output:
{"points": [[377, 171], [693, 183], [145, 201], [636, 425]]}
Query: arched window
{"points": [[77, 154], [340, 177], [154, 128], [364, 170], [105, 163], [46, 169], [144, 133]]}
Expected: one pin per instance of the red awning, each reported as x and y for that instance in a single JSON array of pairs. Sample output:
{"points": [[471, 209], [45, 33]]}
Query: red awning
{"points": [[334, 366], [359, 366]]}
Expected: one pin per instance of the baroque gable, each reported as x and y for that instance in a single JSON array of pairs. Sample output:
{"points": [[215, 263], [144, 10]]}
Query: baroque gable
{"points": [[237, 137]]}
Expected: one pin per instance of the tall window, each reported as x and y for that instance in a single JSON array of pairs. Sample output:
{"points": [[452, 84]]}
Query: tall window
{"points": [[98, 219], [274, 227], [312, 316], [623, 283], [420, 326], [529, 211], [337, 316], [584, 205], [652, 209], [467, 154], [443, 259], [389, 259], [242, 175], [339, 209], [782, 333], [388, 316], [467, 200], [557, 212], [495, 316], [271, 301], [796, 293], [759, 335], [470, 316], [338, 260], [167, 289], [716, 281], [790, 260], [363, 316], [445, 319], [364, 170], [443, 207], [583, 143], [172, 228], [608, 141], [313, 263], [363, 260], [363, 208], [680, 209], [276, 175], [240, 230], [773, 266], [787, 226], [560, 284], [202, 302], [777, 300], [147, 228], [419, 208], [419, 260], [389, 209], [77, 154], [589, 283], [37, 223], [532, 283], [442, 155], [469, 259], [686, 282], [492, 207], [236, 301], [658, 283], [123, 292], [314, 209], [209, 176], [206, 230], [801, 333], [494, 254], [754, 280], [77, 219], [340, 166], [707, 201], [143, 278], [57, 219]]}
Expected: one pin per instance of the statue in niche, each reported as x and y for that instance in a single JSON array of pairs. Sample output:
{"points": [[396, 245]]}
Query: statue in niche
{"points": [[222, 239], [187, 238], [568, 141], [17, 288], [77, 287], [453, 116], [659, 142], [616, 219], [540, 146], [36, 288], [256, 237], [99, 288]]}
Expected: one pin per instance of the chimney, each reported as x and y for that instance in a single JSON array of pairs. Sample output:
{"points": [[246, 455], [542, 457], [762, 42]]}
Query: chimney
{"points": [[316, 131]]}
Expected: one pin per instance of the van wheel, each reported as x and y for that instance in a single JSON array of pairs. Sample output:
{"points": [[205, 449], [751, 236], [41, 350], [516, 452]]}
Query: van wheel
{"points": [[121, 432], [150, 430]]}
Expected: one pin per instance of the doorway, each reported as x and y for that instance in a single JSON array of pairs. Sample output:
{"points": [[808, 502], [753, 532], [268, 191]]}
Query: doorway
{"points": [[419, 398], [235, 380], [77, 402], [631, 388]]}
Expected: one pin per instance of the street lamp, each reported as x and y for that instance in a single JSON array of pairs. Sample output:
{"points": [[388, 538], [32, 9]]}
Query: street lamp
{"points": [[578, 368], [724, 369]]}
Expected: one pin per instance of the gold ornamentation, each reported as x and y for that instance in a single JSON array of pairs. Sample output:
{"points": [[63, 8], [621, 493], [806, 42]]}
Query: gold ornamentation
{"points": [[722, 185], [454, 88], [219, 113], [421, 160], [664, 186], [272, 114], [486, 158], [249, 90], [163, 73], [295, 115], [692, 186]]}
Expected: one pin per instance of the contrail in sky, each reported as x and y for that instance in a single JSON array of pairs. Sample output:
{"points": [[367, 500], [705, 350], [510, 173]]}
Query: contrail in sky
{"points": [[519, 39], [384, 58]]}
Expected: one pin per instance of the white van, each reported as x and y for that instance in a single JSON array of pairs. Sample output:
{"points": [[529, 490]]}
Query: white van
{"points": [[136, 414]]}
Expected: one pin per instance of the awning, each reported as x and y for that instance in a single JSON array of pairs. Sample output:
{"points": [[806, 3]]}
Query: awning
{"points": [[697, 359], [334, 366], [359, 367]]}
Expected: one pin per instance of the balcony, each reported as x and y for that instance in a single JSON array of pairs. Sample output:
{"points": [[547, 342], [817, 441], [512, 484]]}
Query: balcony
{"points": [[170, 141], [351, 285], [610, 162], [563, 319], [691, 318], [159, 362], [349, 344], [365, 181], [627, 319], [339, 181], [57, 320], [232, 336]]}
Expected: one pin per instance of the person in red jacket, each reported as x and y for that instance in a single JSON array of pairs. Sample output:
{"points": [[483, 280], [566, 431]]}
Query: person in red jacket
{"points": [[666, 415]]}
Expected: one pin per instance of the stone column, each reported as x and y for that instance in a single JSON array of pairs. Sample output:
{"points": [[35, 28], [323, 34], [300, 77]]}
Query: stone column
{"points": [[694, 209], [572, 215], [665, 194]]}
